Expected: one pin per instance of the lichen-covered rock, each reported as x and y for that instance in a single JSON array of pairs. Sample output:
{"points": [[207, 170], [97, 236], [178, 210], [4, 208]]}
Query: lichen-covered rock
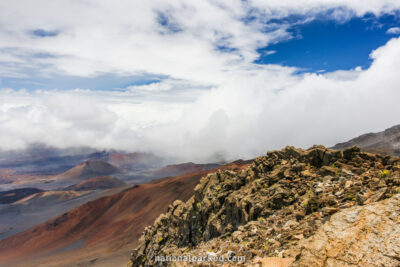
{"points": [[268, 208]]}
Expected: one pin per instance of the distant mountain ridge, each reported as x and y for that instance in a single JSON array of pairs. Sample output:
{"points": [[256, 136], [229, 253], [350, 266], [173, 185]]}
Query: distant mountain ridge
{"points": [[86, 170], [385, 142], [40, 159]]}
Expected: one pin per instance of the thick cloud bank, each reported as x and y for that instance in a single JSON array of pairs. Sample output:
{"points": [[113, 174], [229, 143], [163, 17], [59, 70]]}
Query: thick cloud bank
{"points": [[212, 101]]}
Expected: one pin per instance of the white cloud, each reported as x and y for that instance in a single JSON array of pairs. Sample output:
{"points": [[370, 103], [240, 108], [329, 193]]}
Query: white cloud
{"points": [[269, 52], [125, 37], [213, 104], [393, 30], [168, 85]]}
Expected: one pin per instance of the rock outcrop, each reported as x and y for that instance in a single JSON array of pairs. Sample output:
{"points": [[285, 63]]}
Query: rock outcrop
{"points": [[358, 236], [268, 209]]}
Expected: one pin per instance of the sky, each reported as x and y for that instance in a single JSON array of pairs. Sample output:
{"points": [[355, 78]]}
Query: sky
{"points": [[197, 80]]}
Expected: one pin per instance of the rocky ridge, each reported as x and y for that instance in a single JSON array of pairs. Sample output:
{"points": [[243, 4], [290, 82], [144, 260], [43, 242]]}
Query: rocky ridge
{"points": [[386, 142], [270, 208]]}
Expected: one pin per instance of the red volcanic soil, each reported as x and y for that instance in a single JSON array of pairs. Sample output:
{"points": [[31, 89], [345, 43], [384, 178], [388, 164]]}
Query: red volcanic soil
{"points": [[88, 169], [184, 168], [103, 182], [133, 160], [102, 227]]}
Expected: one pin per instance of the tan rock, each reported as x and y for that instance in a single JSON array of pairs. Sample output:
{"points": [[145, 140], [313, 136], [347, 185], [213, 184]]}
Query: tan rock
{"points": [[272, 262], [359, 236]]}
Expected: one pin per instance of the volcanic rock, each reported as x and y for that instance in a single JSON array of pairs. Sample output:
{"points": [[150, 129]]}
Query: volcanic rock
{"points": [[267, 209]]}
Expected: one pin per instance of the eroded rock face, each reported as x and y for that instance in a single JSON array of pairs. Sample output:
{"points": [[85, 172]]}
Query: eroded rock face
{"points": [[358, 236], [269, 208]]}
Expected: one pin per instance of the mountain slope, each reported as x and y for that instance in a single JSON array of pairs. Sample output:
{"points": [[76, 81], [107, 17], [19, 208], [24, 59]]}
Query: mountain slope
{"points": [[42, 159], [100, 228], [86, 170], [38, 165], [183, 168], [40, 207], [10, 196], [102, 182], [385, 142], [134, 161], [266, 209]]}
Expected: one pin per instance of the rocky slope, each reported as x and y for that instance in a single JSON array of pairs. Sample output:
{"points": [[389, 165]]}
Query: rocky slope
{"points": [[385, 142], [268, 209]]}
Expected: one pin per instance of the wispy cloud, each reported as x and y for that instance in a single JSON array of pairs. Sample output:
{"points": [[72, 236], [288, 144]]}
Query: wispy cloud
{"points": [[393, 30]]}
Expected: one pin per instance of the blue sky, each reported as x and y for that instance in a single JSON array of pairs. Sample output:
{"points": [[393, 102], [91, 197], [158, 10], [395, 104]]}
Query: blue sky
{"points": [[99, 82], [329, 45]]}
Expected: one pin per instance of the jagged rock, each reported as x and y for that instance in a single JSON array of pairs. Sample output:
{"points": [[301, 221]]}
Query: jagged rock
{"points": [[267, 209], [349, 153]]}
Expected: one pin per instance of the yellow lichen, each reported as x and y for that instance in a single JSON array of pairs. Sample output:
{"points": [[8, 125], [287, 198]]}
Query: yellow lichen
{"points": [[384, 173]]}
